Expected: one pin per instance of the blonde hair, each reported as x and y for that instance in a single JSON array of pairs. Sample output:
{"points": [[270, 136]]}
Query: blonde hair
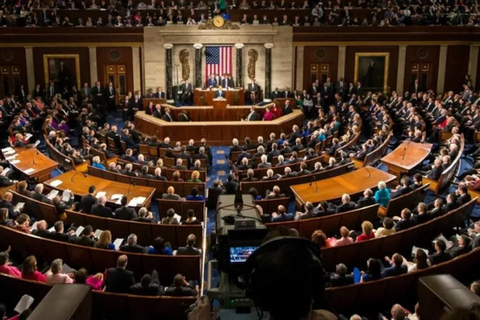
{"points": [[195, 175], [344, 232], [367, 227], [104, 239]]}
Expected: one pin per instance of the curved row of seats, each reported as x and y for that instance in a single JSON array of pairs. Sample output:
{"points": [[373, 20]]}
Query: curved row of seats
{"points": [[106, 305], [97, 260], [357, 253]]}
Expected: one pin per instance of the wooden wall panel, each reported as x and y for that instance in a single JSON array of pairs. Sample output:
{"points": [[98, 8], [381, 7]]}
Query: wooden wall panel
{"points": [[320, 55], [416, 55], [84, 58], [477, 81], [350, 61], [115, 56], [457, 67], [16, 57]]}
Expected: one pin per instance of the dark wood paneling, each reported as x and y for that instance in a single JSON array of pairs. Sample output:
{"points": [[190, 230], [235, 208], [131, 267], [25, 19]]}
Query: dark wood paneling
{"points": [[69, 35], [321, 55], [16, 57], [457, 67], [39, 67], [477, 81], [393, 63], [401, 34], [104, 58], [419, 55]]}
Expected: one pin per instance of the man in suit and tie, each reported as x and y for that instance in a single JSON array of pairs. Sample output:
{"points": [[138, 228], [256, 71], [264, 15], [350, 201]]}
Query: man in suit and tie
{"points": [[160, 94], [287, 109], [124, 212], [341, 88], [110, 94], [119, 280], [183, 116], [97, 93], [51, 90], [396, 266], [88, 200], [158, 111], [100, 210], [113, 134], [167, 116], [190, 249], [187, 92], [219, 93], [85, 92], [415, 87], [211, 82], [252, 115], [38, 194], [252, 89]]}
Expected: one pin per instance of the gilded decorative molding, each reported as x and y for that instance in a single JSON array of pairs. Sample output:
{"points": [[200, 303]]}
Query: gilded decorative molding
{"points": [[208, 25], [252, 61]]}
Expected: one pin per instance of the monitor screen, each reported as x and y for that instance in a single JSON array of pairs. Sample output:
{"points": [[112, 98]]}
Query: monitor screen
{"points": [[241, 254]]}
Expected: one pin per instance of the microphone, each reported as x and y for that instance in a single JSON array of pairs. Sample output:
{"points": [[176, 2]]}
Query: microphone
{"points": [[33, 159], [314, 179], [369, 173], [84, 175], [404, 153], [132, 183]]}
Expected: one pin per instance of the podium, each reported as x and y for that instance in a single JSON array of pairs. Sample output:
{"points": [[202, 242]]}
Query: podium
{"points": [[234, 97]]}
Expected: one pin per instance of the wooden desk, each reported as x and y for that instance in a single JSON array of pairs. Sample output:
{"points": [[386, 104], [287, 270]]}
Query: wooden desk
{"points": [[216, 132], [406, 157], [78, 184], [212, 113], [31, 158], [352, 183], [234, 97]]}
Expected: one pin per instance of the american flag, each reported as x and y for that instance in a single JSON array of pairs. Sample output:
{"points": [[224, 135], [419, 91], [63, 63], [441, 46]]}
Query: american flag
{"points": [[219, 60]]}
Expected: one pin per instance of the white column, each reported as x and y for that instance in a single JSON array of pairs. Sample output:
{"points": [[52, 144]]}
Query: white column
{"points": [[473, 63], [341, 62], [442, 67], [136, 68], [30, 67], [299, 65], [92, 53], [402, 53]]}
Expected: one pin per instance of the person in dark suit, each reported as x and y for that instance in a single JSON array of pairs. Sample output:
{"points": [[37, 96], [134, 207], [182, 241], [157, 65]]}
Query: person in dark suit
{"points": [[405, 222], [396, 266], [38, 194], [287, 108], [160, 94], [59, 234], [167, 116], [462, 246], [219, 93], [110, 95], [86, 238], [119, 280], [38, 92], [211, 82], [100, 210], [436, 171], [114, 135], [252, 89], [132, 245], [252, 115], [213, 192], [346, 205], [97, 93], [403, 188], [190, 249], [367, 199], [463, 195], [128, 139], [340, 277], [41, 230], [149, 285], [281, 215], [124, 212], [231, 185], [440, 255], [187, 92], [180, 288]]}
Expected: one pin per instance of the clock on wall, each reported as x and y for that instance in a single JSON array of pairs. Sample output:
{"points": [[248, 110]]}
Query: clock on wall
{"points": [[218, 21]]}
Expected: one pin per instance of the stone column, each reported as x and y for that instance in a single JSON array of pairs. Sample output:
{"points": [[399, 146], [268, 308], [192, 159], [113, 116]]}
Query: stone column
{"points": [[268, 70], [473, 63], [239, 65], [168, 69], [341, 62], [92, 54], [402, 53], [198, 65], [442, 67], [136, 68], [30, 66], [298, 66]]}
